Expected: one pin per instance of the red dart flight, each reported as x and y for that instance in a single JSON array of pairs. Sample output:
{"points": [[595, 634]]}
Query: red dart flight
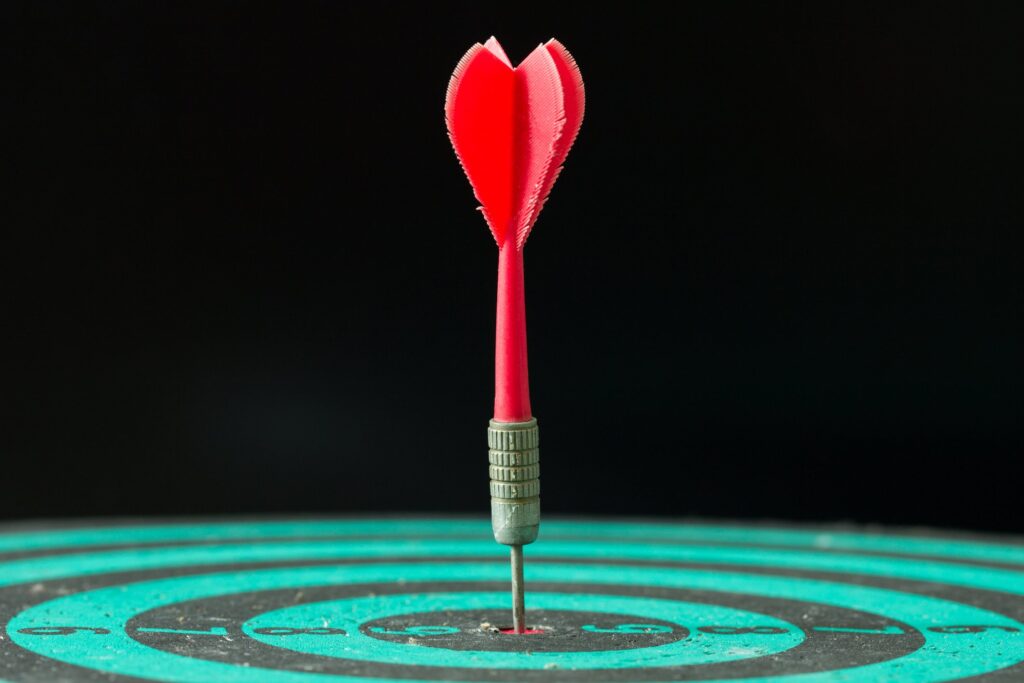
{"points": [[512, 128]]}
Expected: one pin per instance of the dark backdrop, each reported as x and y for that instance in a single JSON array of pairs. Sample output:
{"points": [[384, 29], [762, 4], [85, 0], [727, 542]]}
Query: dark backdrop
{"points": [[779, 276]]}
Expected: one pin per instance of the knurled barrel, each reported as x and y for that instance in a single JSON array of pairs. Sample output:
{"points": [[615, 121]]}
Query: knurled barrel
{"points": [[514, 455]]}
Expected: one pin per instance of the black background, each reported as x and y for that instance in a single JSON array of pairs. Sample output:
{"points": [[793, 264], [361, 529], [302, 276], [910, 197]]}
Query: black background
{"points": [[779, 276]]}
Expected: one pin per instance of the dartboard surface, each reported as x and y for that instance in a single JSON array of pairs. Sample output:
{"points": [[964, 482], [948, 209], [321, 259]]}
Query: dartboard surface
{"points": [[400, 599]]}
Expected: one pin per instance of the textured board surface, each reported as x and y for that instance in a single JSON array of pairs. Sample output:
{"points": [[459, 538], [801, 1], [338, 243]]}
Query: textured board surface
{"points": [[286, 600]]}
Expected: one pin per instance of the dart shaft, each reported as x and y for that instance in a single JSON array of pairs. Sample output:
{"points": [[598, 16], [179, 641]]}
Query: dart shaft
{"points": [[511, 377]]}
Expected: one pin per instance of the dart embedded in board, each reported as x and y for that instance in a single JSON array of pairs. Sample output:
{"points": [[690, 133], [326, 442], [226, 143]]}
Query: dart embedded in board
{"points": [[512, 127]]}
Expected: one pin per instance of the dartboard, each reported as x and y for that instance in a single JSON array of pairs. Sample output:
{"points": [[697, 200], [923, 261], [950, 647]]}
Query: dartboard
{"points": [[406, 599]]}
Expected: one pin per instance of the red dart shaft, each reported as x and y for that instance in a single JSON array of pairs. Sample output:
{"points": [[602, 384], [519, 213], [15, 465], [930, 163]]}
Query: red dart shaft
{"points": [[511, 377]]}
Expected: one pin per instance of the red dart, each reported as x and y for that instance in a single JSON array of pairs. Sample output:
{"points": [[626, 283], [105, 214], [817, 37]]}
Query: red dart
{"points": [[512, 128]]}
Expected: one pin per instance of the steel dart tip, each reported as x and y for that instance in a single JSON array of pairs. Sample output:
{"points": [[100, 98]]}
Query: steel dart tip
{"points": [[518, 590]]}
